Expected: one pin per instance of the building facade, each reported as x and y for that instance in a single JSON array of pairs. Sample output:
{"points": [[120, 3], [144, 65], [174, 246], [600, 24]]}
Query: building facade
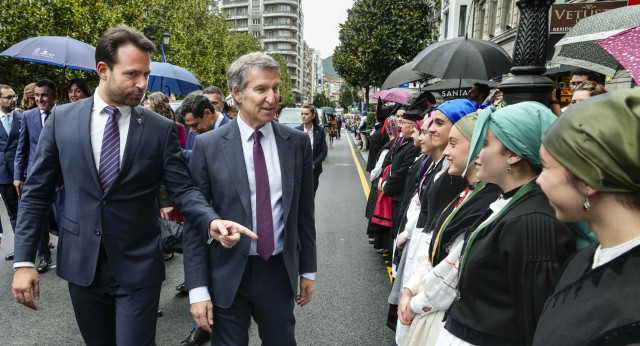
{"points": [[280, 23], [317, 73]]}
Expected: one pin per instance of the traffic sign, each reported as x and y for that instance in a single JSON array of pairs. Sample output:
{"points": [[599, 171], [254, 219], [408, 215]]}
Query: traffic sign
{"points": [[360, 94]]}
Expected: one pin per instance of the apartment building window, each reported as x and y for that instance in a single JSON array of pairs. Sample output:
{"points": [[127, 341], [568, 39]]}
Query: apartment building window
{"points": [[462, 22], [256, 21], [507, 14], [493, 6], [256, 34], [445, 22], [242, 23]]}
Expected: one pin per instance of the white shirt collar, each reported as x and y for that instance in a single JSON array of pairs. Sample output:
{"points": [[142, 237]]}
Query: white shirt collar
{"points": [[99, 103], [218, 121], [246, 131]]}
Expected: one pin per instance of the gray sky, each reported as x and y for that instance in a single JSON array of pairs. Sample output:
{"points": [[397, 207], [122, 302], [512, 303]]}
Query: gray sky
{"points": [[321, 19]]}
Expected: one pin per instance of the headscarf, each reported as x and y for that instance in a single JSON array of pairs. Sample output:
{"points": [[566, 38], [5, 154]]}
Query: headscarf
{"points": [[391, 126], [519, 127], [456, 109], [467, 124], [598, 141], [419, 124]]}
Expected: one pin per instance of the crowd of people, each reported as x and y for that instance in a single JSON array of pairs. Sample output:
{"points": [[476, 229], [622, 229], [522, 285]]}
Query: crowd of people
{"points": [[509, 224]]}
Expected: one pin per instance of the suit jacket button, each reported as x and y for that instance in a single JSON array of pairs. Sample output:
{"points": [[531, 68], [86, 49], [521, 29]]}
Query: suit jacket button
{"points": [[97, 232], [103, 202]]}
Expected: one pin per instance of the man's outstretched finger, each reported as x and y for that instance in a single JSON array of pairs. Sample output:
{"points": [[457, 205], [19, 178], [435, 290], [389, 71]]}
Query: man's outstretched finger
{"points": [[238, 228]]}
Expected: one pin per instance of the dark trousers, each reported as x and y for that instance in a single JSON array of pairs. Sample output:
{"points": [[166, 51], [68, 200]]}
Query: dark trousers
{"points": [[264, 293], [316, 180], [10, 198], [107, 314], [44, 252], [339, 129]]}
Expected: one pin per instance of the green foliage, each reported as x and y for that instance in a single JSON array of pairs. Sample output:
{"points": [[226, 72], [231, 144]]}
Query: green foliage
{"points": [[200, 39], [287, 99], [371, 119], [346, 97], [320, 100], [380, 36]]}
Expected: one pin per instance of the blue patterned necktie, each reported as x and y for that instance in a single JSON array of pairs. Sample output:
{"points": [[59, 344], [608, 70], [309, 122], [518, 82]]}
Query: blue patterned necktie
{"points": [[264, 214], [110, 152]]}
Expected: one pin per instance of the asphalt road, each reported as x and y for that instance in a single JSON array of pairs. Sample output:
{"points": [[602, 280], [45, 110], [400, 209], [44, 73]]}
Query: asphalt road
{"points": [[348, 308]]}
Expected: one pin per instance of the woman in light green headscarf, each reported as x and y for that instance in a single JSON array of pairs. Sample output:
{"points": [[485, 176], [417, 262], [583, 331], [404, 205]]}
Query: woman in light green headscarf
{"points": [[591, 159], [510, 262]]}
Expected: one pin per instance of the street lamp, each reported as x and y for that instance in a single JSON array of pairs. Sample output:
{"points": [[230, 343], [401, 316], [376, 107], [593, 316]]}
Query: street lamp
{"points": [[149, 32], [529, 55]]}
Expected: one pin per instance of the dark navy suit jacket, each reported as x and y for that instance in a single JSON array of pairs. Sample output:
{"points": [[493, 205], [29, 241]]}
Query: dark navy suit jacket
{"points": [[217, 167], [126, 217], [8, 147], [319, 146], [30, 129]]}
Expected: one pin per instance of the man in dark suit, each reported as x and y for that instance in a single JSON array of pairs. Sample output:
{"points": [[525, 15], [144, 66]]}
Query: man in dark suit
{"points": [[9, 135], [258, 173], [113, 155], [31, 127]]}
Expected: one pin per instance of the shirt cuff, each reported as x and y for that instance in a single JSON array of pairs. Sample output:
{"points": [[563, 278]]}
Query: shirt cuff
{"points": [[417, 304], [199, 294], [309, 276], [17, 265]]}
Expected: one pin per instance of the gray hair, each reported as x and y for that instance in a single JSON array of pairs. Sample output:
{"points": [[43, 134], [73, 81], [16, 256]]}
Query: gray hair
{"points": [[212, 90], [237, 76]]}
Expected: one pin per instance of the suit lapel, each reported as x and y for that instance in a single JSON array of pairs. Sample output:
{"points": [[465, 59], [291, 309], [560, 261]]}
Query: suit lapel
{"points": [[136, 129], [231, 149], [83, 119], [38, 119], [15, 126], [287, 156], [3, 133]]}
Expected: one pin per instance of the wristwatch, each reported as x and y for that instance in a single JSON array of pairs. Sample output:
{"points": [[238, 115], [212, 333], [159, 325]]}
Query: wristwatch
{"points": [[555, 102]]}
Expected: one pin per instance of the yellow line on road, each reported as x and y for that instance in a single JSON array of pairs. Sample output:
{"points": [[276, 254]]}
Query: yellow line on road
{"points": [[363, 179]]}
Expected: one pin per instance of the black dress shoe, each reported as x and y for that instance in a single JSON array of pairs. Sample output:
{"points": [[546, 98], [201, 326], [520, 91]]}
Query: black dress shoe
{"points": [[181, 289], [160, 313], [44, 265], [196, 337], [8, 257]]}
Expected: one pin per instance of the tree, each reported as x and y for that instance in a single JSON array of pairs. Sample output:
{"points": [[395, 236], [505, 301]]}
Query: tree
{"points": [[346, 97], [287, 99], [380, 36], [320, 100]]}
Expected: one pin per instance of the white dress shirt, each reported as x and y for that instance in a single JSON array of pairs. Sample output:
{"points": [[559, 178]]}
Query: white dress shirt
{"points": [[43, 115], [272, 160], [310, 133], [98, 121]]}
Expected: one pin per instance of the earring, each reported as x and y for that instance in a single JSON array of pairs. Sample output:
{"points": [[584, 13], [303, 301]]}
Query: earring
{"points": [[509, 168], [586, 204]]}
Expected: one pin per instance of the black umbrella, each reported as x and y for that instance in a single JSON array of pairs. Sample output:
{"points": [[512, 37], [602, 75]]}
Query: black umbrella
{"points": [[402, 75], [463, 58]]}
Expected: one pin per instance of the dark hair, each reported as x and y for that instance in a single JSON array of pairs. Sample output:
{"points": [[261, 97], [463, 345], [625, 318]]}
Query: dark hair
{"points": [[80, 83], [582, 72], [592, 87], [196, 103], [120, 35], [47, 83], [630, 200], [313, 110], [232, 108], [212, 90], [482, 88], [159, 103]]}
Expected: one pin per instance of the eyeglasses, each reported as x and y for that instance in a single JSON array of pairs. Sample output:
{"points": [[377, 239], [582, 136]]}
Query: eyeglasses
{"points": [[9, 97]]}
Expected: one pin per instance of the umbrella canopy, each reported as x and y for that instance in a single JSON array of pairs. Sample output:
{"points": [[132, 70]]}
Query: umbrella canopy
{"points": [[393, 95], [625, 47], [62, 51], [172, 79], [462, 57], [401, 75], [579, 46]]}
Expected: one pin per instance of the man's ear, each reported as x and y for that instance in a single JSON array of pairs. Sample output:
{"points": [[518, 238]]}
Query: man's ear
{"points": [[237, 95], [103, 70]]}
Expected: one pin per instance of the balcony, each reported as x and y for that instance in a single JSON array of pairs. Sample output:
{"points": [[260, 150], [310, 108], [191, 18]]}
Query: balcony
{"points": [[237, 16], [234, 3], [279, 39], [284, 51], [288, 2], [267, 26], [275, 14]]}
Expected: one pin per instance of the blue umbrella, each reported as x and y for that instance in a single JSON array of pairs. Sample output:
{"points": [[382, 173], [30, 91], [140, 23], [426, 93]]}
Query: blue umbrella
{"points": [[60, 51], [172, 79]]}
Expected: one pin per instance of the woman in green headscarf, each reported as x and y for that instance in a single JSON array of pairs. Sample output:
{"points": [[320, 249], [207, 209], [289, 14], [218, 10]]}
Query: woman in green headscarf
{"points": [[591, 159], [510, 262]]}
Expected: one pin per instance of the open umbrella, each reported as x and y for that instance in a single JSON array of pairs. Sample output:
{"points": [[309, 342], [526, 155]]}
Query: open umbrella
{"points": [[62, 51], [625, 47], [462, 57], [394, 95], [172, 79], [448, 84], [401, 75], [579, 46]]}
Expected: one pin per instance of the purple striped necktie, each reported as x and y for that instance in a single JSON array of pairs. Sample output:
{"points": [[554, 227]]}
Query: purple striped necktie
{"points": [[110, 152], [264, 215]]}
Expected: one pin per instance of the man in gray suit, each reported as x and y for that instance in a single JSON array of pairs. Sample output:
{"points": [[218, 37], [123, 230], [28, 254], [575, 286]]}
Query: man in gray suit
{"points": [[9, 135], [259, 174]]}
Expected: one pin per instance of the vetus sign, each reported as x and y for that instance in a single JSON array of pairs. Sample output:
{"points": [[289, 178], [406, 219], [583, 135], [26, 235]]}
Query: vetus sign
{"points": [[565, 16]]}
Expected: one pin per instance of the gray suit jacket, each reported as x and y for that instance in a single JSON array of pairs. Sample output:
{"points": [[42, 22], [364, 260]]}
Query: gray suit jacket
{"points": [[217, 167]]}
